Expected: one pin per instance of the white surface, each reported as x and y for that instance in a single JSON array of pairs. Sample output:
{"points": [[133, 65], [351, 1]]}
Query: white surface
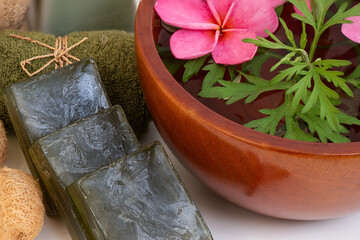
{"points": [[225, 220]]}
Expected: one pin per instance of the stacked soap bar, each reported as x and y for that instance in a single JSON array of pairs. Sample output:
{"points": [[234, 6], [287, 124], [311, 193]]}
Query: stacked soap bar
{"points": [[88, 159], [41, 105], [137, 197], [83, 147]]}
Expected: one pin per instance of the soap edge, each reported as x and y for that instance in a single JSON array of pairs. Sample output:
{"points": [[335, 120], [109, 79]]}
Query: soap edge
{"points": [[41, 163], [25, 144]]}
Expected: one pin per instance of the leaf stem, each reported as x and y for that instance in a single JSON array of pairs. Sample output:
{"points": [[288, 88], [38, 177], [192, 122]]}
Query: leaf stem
{"points": [[314, 45], [303, 54]]}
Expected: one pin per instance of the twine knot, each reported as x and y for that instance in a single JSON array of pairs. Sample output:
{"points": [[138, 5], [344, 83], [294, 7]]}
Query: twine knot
{"points": [[60, 55]]}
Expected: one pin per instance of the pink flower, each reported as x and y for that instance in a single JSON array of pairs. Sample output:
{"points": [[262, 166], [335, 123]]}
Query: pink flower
{"points": [[276, 3], [217, 27]]}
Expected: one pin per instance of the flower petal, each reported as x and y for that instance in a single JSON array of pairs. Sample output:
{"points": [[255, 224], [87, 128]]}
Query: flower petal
{"points": [[191, 14], [231, 50], [255, 16], [190, 44], [352, 30], [221, 7], [276, 3]]}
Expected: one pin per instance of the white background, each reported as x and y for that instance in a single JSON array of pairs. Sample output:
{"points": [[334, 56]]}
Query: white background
{"points": [[225, 220]]}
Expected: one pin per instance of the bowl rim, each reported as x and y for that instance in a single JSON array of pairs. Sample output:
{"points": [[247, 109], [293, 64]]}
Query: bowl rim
{"points": [[145, 45]]}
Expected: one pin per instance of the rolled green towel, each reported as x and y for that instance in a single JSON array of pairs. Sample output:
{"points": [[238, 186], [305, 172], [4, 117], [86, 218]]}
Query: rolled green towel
{"points": [[113, 51]]}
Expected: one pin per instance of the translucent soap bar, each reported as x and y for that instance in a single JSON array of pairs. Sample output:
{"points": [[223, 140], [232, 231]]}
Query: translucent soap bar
{"points": [[138, 197], [80, 148], [41, 105], [54, 100]]}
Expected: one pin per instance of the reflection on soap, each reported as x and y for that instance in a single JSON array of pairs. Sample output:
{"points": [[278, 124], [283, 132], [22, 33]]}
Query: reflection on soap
{"points": [[138, 197]]}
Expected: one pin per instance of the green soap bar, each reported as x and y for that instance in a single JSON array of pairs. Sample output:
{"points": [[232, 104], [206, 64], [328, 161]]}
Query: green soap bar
{"points": [[41, 105], [83, 147], [138, 197]]}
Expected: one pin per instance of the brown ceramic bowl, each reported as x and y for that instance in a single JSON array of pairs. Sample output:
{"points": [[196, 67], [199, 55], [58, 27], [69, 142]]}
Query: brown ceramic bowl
{"points": [[266, 174]]}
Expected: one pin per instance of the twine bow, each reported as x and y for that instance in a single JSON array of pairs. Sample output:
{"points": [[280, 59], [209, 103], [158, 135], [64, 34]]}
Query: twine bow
{"points": [[60, 55]]}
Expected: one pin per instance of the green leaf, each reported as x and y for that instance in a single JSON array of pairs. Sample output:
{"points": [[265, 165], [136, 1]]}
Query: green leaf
{"points": [[324, 5], [323, 94], [215, 73], [332, 63], [279, 10], [303, 40], [301, 91], [333, 76], [354, 11], [354, 82], [255, 65], [341, 15], [193, 67], [164, 52], [269, 124], [323, 129], [262, 42], [302, 19], [355, 74], [347, 119], [289, 73], [230, 91], [173, 64], [288, 33], [339, 3], [272, 36], [235, 91], [283, 60], [320, 9], [294, 132], [304, 9], [261, 86], [232, 71]]}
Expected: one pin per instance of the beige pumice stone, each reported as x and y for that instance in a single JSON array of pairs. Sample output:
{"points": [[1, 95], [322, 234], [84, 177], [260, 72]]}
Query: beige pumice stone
{"points": [[3, 144], [21, 208], [13, 13]]}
